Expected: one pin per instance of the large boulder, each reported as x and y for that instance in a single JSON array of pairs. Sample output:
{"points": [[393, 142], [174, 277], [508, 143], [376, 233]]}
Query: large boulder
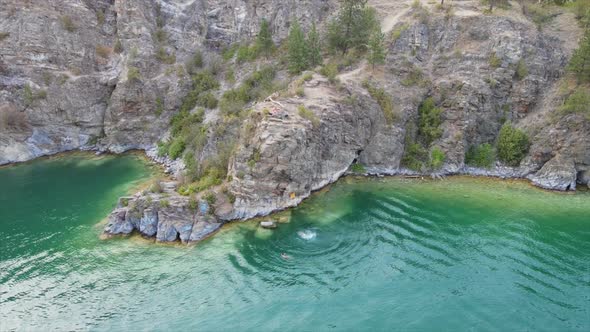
{"points": [[559, 173]]}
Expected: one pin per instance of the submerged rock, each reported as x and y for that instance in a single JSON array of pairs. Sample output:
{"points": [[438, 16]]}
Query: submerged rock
{"points": [[268, 224]]}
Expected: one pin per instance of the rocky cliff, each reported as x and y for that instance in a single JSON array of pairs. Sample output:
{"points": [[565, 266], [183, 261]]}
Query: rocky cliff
{"points": [[110, 75]]}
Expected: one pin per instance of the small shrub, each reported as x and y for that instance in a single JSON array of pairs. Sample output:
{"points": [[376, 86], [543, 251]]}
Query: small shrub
{"points": [[330, 70], [513, 145], [437, 158], [164, 57], [210, 198], [307, 77], [159, 106], [133, 74], [308, 115], [4, 35], [156, 187], [577, 102], [300, 91], [397, 32], [103, 51], [207, 100], [429, 121], [494, 60], [358, 168], [414, 155], [383, 99], [160, 35], [230, 76], [246, 53], [176, 148], [521, 70], [41, 94], [229, 52], [118, 48], [100, 17], [67, 23], [482, 155], [414, 77], [164, 203], [28, 95]]}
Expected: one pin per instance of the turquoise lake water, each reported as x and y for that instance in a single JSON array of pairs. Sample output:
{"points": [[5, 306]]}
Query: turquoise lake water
{"points": [[379, 254]]}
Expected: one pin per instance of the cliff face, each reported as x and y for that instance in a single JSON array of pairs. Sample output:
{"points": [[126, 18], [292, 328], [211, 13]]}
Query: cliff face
{"points": [[109, 75], [76, 56]]}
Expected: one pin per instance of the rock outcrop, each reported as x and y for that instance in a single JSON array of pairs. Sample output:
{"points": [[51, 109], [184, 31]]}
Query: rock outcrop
{"points": [[164, 215]]}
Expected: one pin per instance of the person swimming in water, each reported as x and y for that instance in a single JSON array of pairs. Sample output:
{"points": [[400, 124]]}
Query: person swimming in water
{"points": [[285, 256]]}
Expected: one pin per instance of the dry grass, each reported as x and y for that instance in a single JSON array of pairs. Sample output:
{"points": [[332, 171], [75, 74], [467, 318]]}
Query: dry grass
{"points": [[103, 51], [12, 119]]}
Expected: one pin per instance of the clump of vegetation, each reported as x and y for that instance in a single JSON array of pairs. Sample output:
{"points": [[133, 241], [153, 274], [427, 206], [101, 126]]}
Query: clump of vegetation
{"points": [[103, 51], [159, 106], [330, 70], [437, 158], [483, 155], [579, 64], [513, 145], [376, 49], [28, 97], [100, 17], [521, 70], [264, 43], [397, 32], [67, 23], [352, 27], [133, 74], [538, 14], [202, 84], [309, 115], [156, 187], [414, 154], [4, 35], [494, 60], [164, 203], [358, 168], [429, 121], [383, 99], [414, 76], [163, 56], [577, 102]]}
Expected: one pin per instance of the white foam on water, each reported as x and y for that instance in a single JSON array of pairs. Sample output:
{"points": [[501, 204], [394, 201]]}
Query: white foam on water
{"points": [[307, 234]]}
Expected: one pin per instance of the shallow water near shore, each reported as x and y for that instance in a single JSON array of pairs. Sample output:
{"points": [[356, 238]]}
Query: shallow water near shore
{"points": [[460, 254]]}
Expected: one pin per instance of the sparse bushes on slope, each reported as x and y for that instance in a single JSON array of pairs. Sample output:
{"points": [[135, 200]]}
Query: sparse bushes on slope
{"points": [[429, 122], [578, 102], [383, 99]]}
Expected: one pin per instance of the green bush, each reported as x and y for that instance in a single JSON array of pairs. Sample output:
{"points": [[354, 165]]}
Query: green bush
{"points": [[578, 102], [429, 122], [414, 156], [330, 70], [176, 148], [159, 106], [309, 115], [513, 145], [521, 70], [482, 155], [494, 60], [28, 97], [133, 74], [246, 53], [414, 77], [358, 168], [258, 85], [437, 158], [207, 100]]}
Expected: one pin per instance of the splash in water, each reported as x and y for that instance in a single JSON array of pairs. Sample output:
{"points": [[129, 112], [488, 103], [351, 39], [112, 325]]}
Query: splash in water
{"points": [[307, 234]]}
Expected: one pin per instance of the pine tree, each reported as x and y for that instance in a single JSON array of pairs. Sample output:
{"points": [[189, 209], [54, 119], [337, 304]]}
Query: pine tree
{"points": [[352, 26], [264, 41], [580, 62], [298, 50], [315, 48], [376, 49]]}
